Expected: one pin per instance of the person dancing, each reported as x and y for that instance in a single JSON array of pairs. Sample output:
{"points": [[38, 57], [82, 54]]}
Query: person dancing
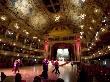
{"points": [[16, 66], [45, 69], [56, 64]]}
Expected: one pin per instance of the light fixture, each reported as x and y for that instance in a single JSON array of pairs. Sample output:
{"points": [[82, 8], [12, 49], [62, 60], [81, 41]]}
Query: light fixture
{"points": [[83, 0], [24, 30], [102, 29], [16, 26], [35, 37], [96, 10], [90, 28], [14, 44], [109, 47], [104, 20], [82, 26], [57, 17], [3, 18], [100, 53], [97, 33], [81, 33], [88, 49], [17, 54], [82, 16], [96, 38], [92, 44], [39, 40], [93, 21], [81, 37], [27, 33]]}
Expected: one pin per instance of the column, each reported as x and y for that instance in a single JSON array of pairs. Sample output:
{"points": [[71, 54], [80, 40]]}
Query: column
{"points": [[46, 47]]}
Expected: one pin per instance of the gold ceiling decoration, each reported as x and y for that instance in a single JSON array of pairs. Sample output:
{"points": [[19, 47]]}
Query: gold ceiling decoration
{"points": [[73, 10], [23, 7], [39, 21], [81, 16]]}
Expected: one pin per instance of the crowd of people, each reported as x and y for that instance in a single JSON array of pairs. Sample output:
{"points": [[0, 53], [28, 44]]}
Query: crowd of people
{"points": [[18, 78]]}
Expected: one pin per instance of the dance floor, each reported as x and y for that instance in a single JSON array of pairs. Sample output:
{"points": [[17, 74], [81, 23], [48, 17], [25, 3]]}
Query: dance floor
{"points": [[68, 73]]}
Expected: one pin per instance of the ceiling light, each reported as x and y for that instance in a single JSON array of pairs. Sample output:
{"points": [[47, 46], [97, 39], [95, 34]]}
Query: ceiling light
{"points": [[83, 0], [16, 26], [92, 43], [82, 26], [108, 46], [39, 40], [90, 28], [82, 16], [57, 17], [85, 58], [100, 53], [35, 37], [14, 44], [104, 20], [27, 33], [93, 21], [105, 24], [96, 38], [88, 49], [81, 37], [102, 29], [24, 30], [3, 18], [5, 53], [17, 54], [96, 10], [93, 54], [81, 33], [97, 33]]}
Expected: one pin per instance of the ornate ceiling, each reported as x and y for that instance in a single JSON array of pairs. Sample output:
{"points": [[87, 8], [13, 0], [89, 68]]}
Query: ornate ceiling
{"points": [[89, 18]]}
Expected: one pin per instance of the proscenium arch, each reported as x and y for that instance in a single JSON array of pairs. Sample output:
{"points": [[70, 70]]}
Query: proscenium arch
{"points": [[62, 45]]}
